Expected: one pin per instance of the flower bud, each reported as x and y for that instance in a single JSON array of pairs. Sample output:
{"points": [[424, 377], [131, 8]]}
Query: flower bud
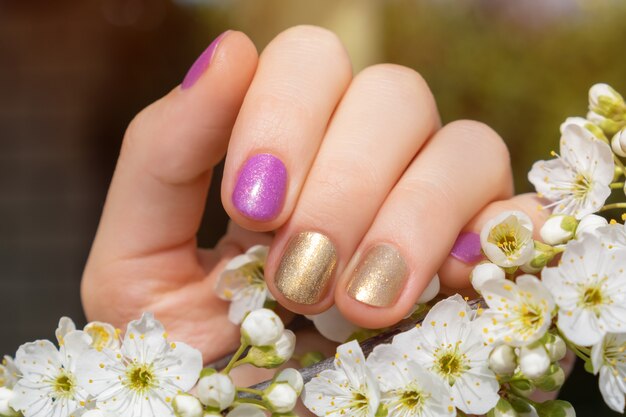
{"points": [[503, 409], [333, 325], [618, 143], [606, 108], [274, 355], [558, 229], [542, 255], [503, 360], [216, 391], [186, 405], [6, 395], [556, 348], [280, 397], [246, 410], [522, 387], [603, 99], [552, 380], [262, 327], [534, 361], [103, 335], [484, 272], [291, 377], [589, 224], [586, 124], [556, 408], [311, 358], [431, 291], [523, 407]]}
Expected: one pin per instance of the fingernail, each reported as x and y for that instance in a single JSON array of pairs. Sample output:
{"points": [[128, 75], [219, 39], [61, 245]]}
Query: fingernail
{"points": [[379, 277], [306, 268], [467, 248], [260, 190], [201, 64]]}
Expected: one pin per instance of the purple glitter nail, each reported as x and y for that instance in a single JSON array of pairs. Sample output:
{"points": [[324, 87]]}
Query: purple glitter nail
{"points": [[201, 64], [467, 248], [260, 190]]}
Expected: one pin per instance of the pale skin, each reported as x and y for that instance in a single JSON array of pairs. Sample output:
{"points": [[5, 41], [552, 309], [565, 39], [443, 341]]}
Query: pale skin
{"points": [[367, 159]]}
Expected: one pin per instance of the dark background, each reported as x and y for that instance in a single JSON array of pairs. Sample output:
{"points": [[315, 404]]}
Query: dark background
{"points": [[73, 74]]}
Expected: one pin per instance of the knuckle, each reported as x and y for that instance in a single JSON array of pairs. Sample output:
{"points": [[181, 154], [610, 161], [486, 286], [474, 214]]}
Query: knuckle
{"points": [[430, 193], [312, 35], [398, 83], [481, 135], [306, 42], [280, 117], [485, 140]]}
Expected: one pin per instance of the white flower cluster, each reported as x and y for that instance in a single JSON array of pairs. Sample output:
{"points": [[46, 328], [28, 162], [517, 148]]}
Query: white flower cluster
{"points": [[572, 293], [429, 371], [265, 344], [92, 373]]}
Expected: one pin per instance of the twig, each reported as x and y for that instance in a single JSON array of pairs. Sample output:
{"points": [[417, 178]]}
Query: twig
{"points": [[367, 346]]}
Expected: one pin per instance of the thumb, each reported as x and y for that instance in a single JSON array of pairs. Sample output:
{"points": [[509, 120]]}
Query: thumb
{"points": [[157, 195]]}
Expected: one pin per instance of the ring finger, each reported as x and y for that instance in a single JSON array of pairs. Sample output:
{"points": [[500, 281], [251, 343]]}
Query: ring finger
{"points": [[461, 169]]}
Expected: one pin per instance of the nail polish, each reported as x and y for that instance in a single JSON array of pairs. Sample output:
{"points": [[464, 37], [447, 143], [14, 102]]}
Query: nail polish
{"points": [[467, 248], [259, 193], [379, 277], [306, 268], [202, 63]]}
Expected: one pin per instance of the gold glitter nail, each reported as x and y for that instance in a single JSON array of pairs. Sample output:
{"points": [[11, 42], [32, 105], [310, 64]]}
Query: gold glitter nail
{"points": [[306, 267], [379, 277]]}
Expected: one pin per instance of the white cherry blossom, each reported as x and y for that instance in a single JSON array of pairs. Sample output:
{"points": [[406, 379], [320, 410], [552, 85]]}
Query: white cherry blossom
{"points": [[348, 390], [519, 312], [49, 386], [243, 284], [449, 345], [507, 239], [577, 182], [407, 388], [609, 360], [589, 286], [9, 374], [144, 376]]}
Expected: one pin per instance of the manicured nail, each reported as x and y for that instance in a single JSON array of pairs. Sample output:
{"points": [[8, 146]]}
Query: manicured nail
{"points": [[201, 64], [379, 277], [306, 268], [467, 248], [260, 190]]}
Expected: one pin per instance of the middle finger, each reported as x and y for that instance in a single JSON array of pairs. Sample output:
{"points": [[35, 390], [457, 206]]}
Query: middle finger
{"points": [[384, 118]]}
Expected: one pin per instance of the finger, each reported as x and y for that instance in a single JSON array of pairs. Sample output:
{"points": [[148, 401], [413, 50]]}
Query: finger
{"points": [[386, 115], [456, 269], [158, 191], [464, 166], [301, 77]]}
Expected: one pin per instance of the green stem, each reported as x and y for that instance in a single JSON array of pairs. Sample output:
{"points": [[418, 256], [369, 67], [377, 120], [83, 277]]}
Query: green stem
{"points": [[250, 391], [619, 163], [582, 352], [235, 359], [252, 401], [613, 206], [241, 361], [617, 185]]}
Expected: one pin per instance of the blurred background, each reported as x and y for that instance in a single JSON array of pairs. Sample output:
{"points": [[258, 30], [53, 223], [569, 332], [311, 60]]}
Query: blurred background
{"points": [[73, 74]]}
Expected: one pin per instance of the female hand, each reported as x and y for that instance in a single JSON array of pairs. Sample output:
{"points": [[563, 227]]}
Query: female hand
{"points": [[366, 191]]}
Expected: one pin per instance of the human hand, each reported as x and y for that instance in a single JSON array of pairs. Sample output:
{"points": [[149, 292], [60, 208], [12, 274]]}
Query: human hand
{"points": [[347, 168]]}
